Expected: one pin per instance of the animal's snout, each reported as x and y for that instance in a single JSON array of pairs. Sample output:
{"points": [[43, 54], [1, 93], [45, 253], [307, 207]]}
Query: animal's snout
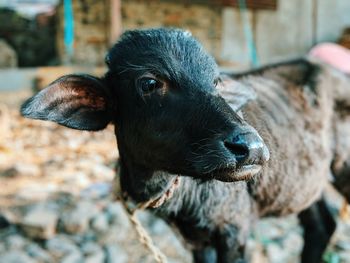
{"points": [[247, 149], [238, 148]]}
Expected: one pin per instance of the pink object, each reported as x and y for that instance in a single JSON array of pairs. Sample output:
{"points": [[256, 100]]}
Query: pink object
{"points": [[333, 54]]}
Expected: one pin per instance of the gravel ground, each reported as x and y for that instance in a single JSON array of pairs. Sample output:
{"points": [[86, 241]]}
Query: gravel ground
{"points": [[54, 204]]}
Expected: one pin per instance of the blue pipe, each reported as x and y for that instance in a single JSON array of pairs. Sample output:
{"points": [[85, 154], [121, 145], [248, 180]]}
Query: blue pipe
{"points": [[68, 27], [248, 33]]}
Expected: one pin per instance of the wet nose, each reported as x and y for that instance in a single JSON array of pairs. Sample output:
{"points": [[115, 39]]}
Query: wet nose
{"points": [[247, 148]]}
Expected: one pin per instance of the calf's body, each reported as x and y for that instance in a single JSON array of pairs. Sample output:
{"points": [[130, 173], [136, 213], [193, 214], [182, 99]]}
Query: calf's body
{"points": [[245, 146], [293, 114]]}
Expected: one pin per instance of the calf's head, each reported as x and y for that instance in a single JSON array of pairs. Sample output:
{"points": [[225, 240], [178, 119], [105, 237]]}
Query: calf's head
{"points": [[160, 93]]}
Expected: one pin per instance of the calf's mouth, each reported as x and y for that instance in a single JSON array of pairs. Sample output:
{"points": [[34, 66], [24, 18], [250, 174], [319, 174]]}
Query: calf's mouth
{"points": [[240, 173], [239, 157]]}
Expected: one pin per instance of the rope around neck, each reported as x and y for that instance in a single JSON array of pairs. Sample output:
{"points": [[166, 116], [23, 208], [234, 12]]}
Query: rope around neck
{"points": [[145, 238], [131, 209]]}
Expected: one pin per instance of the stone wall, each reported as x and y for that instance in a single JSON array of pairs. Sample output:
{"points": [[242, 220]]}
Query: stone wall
{"points": [[345, 38], [92, 25], [8, 56], [202, 20], [91, 21]]}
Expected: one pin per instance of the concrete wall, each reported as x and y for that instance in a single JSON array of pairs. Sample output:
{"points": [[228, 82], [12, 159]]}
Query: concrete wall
{"points": [[288, 32], [332, 16]]}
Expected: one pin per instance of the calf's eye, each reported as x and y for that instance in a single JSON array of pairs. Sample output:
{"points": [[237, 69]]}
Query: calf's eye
{"points": [[216, 81], [149, 85]]}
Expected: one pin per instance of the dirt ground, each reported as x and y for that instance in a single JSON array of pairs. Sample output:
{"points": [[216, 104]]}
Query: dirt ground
{"points": [[55, 204]]}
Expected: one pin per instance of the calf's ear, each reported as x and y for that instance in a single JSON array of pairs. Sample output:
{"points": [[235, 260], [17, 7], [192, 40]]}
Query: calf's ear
{"points": [[76, 101], [235, 93]]}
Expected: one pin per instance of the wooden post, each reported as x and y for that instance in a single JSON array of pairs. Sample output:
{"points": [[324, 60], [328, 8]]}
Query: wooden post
{"points": [[115, 21]]}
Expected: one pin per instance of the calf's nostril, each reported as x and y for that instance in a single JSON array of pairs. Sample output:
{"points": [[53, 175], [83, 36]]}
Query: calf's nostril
{"points": [[239, 150]]}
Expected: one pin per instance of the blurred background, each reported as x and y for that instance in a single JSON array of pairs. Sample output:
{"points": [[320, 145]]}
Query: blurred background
{"points": [[54, 182]]}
